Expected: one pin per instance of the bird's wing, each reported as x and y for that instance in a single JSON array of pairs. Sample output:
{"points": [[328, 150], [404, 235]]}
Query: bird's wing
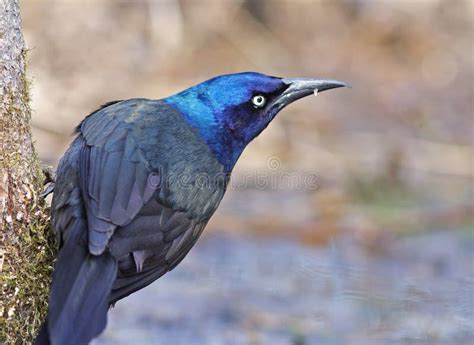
{"points": [[152, 244], [150, 237], [114, 178], [118, 188]]}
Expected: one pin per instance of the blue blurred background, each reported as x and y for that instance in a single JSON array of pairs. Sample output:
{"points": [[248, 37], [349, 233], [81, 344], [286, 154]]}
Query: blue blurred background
{"points": [[362, 229]]}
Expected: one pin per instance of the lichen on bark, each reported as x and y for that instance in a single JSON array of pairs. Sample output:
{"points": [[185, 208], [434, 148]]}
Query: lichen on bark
{"points": [[26, 244]]}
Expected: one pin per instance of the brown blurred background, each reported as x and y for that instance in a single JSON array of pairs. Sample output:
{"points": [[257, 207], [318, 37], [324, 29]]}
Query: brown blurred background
{"points": [[393, 155]]}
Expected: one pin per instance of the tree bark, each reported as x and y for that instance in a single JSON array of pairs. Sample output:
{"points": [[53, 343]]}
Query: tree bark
{"points": [[26, 244]]}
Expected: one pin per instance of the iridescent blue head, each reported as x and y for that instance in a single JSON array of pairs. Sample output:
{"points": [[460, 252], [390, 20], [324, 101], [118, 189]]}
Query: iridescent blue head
{"points": [[230, 110]]}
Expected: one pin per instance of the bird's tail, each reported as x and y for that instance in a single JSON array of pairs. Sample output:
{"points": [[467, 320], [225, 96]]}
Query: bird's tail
{"points": [[78, 301]]}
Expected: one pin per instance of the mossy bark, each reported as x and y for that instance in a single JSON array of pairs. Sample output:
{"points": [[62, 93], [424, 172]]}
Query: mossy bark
{"points": [[26, 245]]}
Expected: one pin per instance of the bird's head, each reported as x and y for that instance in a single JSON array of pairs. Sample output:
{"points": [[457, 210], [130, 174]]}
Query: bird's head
{"points": [[230, 110]]}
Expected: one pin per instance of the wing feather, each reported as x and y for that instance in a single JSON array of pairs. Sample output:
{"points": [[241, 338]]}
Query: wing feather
{"points": [[113, 178], [148, 231]]}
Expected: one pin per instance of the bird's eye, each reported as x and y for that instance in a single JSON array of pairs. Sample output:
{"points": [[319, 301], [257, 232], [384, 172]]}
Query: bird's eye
{"points": [[258, 101]]}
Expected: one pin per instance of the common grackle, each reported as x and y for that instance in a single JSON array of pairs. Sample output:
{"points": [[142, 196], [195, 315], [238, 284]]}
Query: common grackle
{"points": [[138, 184]]}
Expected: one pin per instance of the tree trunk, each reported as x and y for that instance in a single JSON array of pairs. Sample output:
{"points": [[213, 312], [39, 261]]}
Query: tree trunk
{"points": [[26, 246]]}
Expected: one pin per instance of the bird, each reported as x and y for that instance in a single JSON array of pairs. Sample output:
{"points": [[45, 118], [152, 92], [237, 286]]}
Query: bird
{"points": [[139, 183]]}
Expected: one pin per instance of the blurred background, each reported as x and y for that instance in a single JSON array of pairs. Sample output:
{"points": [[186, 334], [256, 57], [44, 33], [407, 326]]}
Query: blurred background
{"points": [[371, 241]]}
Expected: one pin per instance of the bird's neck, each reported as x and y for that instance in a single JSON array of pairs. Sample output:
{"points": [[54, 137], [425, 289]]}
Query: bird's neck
{"points": [[226, 146]]}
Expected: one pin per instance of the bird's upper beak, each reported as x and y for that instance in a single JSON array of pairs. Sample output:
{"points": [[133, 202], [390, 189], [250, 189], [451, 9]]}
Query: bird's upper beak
{"points": [[302, 87]]}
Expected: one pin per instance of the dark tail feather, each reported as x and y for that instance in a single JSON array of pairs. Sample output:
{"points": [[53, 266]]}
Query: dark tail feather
{"points": [[78, 301], [43, 335]]}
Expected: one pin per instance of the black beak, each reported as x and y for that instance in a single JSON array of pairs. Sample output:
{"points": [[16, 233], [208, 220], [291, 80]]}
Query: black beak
{"points": [[302, 87]]}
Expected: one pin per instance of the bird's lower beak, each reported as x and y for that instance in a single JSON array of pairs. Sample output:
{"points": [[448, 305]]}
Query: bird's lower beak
{"points": [[302, 87]]}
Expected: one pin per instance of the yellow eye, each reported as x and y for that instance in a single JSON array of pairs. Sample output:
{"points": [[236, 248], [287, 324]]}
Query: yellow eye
{"points": [[258, 101]]}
